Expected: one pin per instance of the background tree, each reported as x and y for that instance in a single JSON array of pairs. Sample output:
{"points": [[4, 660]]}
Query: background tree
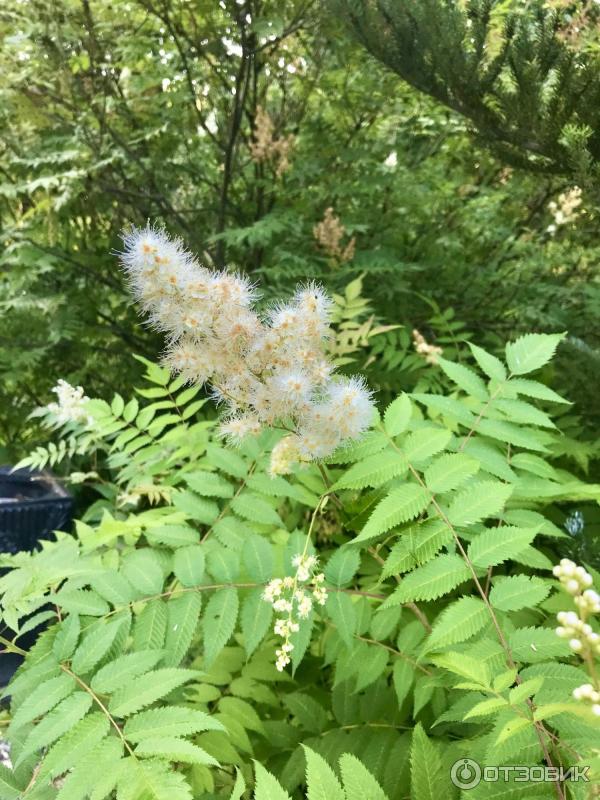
{"points": [[514, 70], [238, 126]]}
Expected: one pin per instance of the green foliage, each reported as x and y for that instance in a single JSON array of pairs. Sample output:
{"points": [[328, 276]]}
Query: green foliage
{"points": [[155, 677], [152, 114], [519, 73]]}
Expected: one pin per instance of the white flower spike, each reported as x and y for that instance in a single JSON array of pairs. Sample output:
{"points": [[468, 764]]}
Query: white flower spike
{"points": [[264, 372]]}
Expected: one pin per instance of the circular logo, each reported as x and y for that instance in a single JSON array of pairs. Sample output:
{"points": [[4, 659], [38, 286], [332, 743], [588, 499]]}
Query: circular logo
{"points": [[465, 773]]}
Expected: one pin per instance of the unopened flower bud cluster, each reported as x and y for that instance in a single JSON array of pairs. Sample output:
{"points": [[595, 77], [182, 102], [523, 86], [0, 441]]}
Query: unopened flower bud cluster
{"points": [[574, 579], [266, 371], [580, 634], [588, 694], [71, 404], [292, 598], [573, 625]]}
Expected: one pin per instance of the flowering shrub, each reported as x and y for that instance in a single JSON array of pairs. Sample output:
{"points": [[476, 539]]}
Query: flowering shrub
{"points": [[351, 628]]}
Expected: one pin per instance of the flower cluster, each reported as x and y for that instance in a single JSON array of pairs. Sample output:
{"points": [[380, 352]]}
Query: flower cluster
{"points": [[564, 210], [575, 579], [294, 597], [579, 633], [430, 352], [266, 146], [70, 406], [329, 234], [573, 624], [587, 693], [266, 371]]}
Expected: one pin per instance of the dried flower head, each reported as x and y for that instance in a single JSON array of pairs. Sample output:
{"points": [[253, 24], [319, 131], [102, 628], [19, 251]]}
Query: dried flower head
{"points": [[430, 352], [266, 146], [329, 234]]}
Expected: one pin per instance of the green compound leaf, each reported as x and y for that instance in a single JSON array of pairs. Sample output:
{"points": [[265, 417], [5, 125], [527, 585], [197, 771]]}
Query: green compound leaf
{"points": [[251, 506], [374, 471], [498, 544], [518, 591], [341, 609], [359, 784], [219, 622], [436, 578], [450, 471], [397, 415], [428, 780], [257, 555], [458, 622], [151, 626], [532, 351], [465, 379], [342, 566], [188, 565], [491, 365], [320, 779], [42, 699], [120, 671], [424, 443], [169, 721], [70, 748], [57, 722], [401, 505], [143, 570], [143, 691], [255, 620], [267, 787], [183, 613], [174, 749], [94, 646], [532, 645], [479, 501]]}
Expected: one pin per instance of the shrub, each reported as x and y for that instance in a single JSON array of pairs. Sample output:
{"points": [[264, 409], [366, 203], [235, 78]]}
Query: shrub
{"points": [[415, 566]]}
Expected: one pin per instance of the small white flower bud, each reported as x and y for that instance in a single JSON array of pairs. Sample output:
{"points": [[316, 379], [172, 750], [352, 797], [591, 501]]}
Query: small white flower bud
{"points": [[572, 586]]}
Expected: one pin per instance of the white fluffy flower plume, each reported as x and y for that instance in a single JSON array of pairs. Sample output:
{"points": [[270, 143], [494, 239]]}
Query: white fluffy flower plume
{"points": [[265, 371]]}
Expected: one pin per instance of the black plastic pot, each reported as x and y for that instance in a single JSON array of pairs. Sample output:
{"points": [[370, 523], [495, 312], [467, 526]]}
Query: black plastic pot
{"points": [[32, 505]]}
